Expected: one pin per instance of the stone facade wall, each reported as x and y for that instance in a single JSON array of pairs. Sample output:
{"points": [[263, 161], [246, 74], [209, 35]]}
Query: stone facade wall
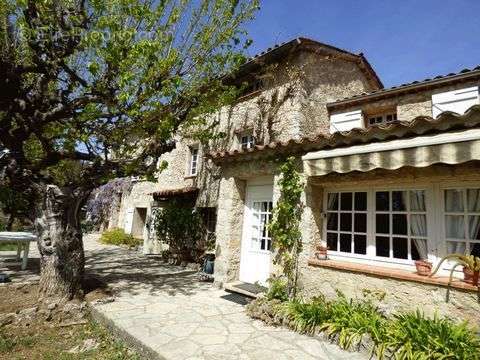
{"points": [[291, 106], [138, 197], [229, 229], [391, 295], [230, 214], [326, 79]]}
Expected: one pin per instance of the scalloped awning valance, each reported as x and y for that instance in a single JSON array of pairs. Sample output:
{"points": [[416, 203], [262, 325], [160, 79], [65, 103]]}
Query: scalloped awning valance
{"points": [[421, 151]]}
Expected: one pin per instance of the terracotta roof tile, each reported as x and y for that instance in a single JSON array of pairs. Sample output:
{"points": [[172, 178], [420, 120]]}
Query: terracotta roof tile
{"points": [[278, 49], [418, 126], [175, 192]]}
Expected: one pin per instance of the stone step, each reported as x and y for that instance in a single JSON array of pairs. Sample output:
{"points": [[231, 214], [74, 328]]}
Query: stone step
{"points": [[247, 289]]}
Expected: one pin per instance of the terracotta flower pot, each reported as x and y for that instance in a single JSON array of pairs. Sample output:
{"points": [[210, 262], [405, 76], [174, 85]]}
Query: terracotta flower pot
{"points": [[470, 276], [424, 267], [321, 252]]}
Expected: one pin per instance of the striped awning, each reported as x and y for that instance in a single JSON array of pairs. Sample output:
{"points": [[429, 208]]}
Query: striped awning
{"points": [[421, 151]]}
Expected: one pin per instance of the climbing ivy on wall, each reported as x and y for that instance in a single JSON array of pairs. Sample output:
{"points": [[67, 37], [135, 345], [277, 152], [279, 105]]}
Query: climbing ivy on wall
{"points": [[285, 225]]}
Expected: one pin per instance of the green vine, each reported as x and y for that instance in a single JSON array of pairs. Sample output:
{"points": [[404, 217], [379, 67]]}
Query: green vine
{"points": [[285, 225]]}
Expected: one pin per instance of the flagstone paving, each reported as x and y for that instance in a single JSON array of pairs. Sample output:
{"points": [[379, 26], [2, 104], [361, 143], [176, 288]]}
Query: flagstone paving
{"points": [[166, 309], [169, 314]]}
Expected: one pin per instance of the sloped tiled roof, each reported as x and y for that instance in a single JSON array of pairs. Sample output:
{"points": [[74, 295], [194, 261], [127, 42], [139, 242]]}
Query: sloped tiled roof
{"points": [[421, 125], [462, 75], [278, 51]]}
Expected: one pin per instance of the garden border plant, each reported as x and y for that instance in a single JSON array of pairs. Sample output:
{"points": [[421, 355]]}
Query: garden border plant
{"points": [[469, 262], [358, 325], [119, 237]]}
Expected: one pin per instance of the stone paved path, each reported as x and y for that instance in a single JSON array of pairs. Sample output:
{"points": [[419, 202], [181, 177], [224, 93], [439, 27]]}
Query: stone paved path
{"points": [[170, 312], [165, 309]]}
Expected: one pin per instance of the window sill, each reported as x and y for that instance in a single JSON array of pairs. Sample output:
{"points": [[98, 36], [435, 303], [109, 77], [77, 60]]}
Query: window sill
{"points": [[249, 95], [382, 272], [186, 177]]}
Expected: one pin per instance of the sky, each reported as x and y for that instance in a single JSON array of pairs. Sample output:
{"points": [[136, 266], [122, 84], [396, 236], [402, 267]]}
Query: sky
{"points": [[404, 40]]}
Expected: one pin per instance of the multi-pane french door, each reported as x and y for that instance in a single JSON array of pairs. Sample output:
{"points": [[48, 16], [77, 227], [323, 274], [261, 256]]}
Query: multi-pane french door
{"points": [[255, 264]]}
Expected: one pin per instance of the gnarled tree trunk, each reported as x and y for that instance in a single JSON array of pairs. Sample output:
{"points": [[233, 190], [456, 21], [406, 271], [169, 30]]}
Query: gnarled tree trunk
{"points": [[60, 244]]}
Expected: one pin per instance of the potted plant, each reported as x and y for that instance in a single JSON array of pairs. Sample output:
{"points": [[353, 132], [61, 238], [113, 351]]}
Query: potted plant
{"points": [[470, 276], [321, 252], [471, 269], [424, 267]]}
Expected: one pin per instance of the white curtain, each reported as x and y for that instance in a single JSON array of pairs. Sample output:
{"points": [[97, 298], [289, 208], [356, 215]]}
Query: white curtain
{"points": [[455, 224], [454, 200], [473, 199], [418, 222], [332, 198]]}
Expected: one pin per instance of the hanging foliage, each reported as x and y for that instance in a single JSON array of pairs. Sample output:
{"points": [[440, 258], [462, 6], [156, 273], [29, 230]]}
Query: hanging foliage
{"points": [[106, 200], [285, 225]]}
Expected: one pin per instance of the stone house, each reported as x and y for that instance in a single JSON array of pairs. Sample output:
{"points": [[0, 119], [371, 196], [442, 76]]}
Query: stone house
{"points": [[391, 176]]}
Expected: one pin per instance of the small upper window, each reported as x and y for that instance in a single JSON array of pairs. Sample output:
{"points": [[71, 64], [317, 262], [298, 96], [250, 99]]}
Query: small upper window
{"points": [[247, 141], [193, 161], [257, 85], [382, 119], [253, 86]]}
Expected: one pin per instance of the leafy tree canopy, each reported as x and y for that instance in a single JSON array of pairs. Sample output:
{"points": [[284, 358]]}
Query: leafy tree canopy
{"points": [[105, 84], [97, 89]]}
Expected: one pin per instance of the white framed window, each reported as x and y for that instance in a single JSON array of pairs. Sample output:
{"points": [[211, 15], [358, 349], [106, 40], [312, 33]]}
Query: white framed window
{"points": [[394, 226], [247, 141], [461, 220], [382, 119], [347, 222], [261, 215], [401, 229], [193, 163]]}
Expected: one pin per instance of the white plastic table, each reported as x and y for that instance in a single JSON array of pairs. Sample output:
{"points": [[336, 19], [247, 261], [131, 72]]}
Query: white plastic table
{"points": [[22, 239]]}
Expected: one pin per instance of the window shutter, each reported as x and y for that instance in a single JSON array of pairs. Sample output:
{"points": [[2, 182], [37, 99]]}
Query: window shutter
{"points": [[346, 121], [457, 101]]}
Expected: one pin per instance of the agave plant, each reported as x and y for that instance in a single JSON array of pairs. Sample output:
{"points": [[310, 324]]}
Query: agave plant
{"points": [[470, 262]]}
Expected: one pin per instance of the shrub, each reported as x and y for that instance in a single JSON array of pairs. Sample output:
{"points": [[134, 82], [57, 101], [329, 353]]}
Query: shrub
{"points": [[277, 289], [351, 320], [181, 228], [119, 237], [414, 336], [353, 323], [307, 317]]}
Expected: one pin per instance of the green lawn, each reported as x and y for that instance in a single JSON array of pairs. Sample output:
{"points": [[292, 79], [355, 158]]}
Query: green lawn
{"points": [[5, 246], [53, 343]]}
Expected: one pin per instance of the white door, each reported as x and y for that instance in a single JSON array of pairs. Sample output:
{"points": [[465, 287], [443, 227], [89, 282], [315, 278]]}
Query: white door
{"points": [[255, 261], [129, 220]]}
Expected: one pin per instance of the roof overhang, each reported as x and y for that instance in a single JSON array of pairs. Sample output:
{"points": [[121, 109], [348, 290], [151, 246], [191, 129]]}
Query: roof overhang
{"points": [[419, 126], [185, 192], [283, 50], [416, 86], [452, 148]]}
